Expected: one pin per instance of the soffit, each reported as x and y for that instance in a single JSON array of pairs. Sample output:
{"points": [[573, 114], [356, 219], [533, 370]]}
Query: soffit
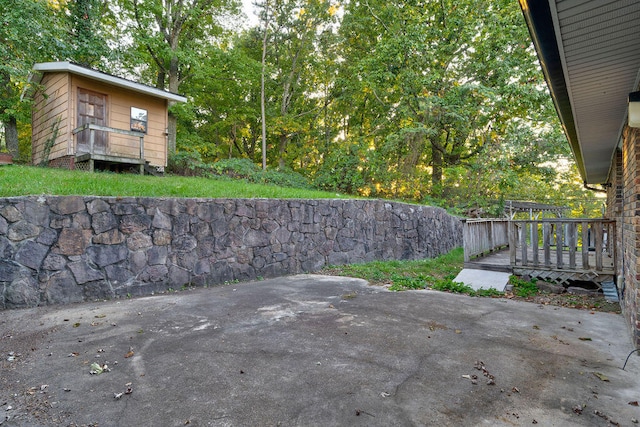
{"points": [[598, 57]]}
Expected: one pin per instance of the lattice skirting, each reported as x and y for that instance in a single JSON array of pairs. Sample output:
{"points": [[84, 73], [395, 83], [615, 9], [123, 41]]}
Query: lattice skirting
{"points": [[65, 162], [562, 277], [69, 162]]}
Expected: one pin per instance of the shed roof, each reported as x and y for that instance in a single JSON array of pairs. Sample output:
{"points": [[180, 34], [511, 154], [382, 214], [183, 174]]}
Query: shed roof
{"points": [[590, 54], [69, 67]]}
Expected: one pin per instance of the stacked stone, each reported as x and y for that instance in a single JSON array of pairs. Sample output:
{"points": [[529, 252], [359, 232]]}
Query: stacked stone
{"points": [[68, 249]]}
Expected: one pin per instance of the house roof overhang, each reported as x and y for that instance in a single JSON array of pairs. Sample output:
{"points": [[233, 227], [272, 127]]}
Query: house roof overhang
{"points": [[69, 67], [589, 51]]}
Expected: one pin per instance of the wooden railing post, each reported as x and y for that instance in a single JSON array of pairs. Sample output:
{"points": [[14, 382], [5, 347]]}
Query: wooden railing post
{"points": [[142, 154], [599, 246], [513, 239], [559, 245], [92, 137], [523, 244], [585, 244], [534, 242], [572, 241], [546, 243]]}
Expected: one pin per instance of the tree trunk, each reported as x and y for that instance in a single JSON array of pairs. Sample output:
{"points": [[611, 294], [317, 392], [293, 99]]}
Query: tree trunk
{"points": [[174, 86], [11, 135], [263, 114], [436, 174]]}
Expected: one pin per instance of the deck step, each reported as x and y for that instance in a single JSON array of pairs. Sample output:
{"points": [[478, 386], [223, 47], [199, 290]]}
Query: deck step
{"points": [[483, 279]]}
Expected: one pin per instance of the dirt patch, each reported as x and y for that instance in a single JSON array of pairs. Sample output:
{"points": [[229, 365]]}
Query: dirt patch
{"points": [[581, 302]]}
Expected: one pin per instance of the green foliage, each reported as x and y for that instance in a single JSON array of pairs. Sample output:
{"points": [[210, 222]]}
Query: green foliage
{"points": [[285, 178], [523, 288], [187, 163], [342, 170], [402, 282], [436, 273], [383, 272], [86, 40], [435, 102], [236, 168]]}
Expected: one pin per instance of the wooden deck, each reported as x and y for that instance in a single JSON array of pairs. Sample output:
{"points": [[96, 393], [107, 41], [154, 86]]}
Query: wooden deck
{"points": [[495, 261], [558, 250], [93, 156], [500, 261]]}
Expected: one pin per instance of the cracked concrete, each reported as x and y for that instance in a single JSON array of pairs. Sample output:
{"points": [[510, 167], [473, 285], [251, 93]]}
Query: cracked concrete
{"points": [[315, 350]]}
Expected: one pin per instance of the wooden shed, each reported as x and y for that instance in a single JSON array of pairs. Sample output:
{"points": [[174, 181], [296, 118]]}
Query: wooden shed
{"points": [[83, 118]]}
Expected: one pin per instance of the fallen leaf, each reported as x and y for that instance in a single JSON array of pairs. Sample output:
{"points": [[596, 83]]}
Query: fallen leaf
{"points": [[536, 327], [95, 369], [75, 325], [634, 403], [129, 354], [458, 331], [602, 377]]}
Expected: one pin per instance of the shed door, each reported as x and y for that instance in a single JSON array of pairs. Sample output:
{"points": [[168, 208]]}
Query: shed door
{"points": [[92, 108]]}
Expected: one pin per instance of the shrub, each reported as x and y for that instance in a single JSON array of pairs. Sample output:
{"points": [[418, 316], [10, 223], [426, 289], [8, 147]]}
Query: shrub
{"points": [[236, 168], [285, 178], [187, 163]]}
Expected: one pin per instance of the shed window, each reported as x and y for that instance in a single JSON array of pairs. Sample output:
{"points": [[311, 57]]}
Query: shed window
{"points": [[139, 119]]}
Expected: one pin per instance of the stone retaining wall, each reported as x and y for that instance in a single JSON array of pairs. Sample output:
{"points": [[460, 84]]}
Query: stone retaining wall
{"points": [[67, 249]]}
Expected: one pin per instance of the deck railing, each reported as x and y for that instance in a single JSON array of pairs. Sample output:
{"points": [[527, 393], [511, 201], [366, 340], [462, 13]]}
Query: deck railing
{"points": [[563, 244], [485, 235], [92, 155]]}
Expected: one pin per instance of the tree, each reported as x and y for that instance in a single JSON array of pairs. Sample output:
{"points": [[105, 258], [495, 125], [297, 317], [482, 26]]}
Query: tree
{"points": [[224, 112], [168, 38], [292, 32], [21, 22], [86, 32], [432, 85]]}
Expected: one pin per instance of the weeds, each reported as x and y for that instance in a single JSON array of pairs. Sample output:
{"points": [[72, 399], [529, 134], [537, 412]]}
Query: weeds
{"points": [[436, 273], [523, 288], [448, 285]]}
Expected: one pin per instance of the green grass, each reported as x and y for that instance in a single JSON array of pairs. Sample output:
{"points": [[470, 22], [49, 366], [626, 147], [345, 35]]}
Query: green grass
{"points": [[436, 273], [408, 274], [28, 180]]}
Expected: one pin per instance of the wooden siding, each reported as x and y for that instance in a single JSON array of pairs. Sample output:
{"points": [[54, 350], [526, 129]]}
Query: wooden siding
{"points": [[51, 105], [119, 103]]}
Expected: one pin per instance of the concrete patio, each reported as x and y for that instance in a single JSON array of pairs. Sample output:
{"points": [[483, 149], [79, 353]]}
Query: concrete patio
{"points": [[315, 351]]}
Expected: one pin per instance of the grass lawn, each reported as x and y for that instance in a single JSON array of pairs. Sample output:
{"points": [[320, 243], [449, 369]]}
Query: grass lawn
{"points": [[418, 274], [29, 180]]}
